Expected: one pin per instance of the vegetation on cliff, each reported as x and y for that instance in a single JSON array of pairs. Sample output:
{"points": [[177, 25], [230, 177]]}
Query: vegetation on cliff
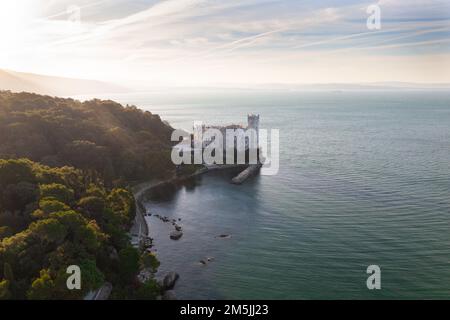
{"points": [[121, 144], [64, 198]]}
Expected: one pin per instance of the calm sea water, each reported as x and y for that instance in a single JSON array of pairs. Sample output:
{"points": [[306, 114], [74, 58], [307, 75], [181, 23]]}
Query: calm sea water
{"points": [[364, 179]]}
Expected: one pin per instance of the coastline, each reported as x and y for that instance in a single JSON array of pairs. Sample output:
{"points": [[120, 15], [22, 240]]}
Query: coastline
{"points": [[139, 220], [139, 231], [138, 190], [140, 223]]}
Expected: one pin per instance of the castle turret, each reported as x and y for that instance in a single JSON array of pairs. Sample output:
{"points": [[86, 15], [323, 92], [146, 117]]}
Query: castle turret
{"points": [[253, 121]]}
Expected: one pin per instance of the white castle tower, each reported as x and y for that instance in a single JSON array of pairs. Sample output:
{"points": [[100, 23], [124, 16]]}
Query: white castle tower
{"points": [[253, 123]]}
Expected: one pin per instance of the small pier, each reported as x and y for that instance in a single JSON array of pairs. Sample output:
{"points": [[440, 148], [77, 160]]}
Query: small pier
{"points": [[251, 170]]}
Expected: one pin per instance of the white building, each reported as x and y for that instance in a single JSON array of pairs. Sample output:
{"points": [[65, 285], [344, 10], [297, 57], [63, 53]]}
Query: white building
{"points": [[204, 135], [243, 142]]}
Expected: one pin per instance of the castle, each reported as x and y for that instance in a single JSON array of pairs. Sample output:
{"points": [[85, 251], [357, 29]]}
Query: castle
{"points": [[240, 132]]}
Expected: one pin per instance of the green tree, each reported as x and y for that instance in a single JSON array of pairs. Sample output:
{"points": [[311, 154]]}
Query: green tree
{"points": [[57, 191], [43, 287], [5, 293], [149, 260], [5, 231], [150, 290], [17, 196], [92, 277], [93, 207], [49, 231], [123, 205], [8, 272], [51, 205], [15, 171], [128, 263]]}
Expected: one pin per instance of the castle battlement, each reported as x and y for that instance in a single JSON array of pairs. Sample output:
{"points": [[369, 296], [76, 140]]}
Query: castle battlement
{"points": [[252, 123]]}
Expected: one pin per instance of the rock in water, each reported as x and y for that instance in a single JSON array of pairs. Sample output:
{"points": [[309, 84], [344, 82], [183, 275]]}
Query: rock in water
{"points": [[247, 173], [169, 280], [169, 295], [224, 236], [175, 235]]}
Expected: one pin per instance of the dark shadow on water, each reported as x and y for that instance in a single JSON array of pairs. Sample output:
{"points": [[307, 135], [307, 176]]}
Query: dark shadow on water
{"points": [[191, 184], [167, 192]]}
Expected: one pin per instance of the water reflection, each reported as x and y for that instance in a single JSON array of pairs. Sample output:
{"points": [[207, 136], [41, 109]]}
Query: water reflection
{"points": [[169, 191]]}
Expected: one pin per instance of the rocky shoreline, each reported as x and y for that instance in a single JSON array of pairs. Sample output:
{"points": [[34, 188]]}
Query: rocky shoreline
{"points": [[141, 227], [140, 230]]}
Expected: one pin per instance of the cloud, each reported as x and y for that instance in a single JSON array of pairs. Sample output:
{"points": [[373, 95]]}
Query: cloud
{"points": [[160, 9], [212, 39]]}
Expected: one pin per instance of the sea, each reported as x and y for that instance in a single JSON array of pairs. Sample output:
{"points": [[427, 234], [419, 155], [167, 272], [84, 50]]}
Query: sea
{"points": [[364, 179]]}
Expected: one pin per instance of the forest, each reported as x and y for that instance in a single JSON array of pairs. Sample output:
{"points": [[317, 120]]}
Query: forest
{"points": [[120, 144], [66, 168]]}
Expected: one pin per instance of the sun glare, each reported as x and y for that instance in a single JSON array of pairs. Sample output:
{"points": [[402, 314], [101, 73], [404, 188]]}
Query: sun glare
{"points": [[10, 14], [14, 16]]}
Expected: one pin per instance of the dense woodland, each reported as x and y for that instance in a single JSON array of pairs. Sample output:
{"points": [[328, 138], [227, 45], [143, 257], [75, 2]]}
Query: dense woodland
{"points": [[63, 194], [122, 144]]}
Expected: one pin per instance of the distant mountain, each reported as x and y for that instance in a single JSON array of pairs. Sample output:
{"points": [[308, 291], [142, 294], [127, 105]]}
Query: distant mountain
{"points": [[54, 86]]}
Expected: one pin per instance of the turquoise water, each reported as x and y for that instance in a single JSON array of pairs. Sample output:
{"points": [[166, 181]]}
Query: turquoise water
{"points": [[364, 179]]}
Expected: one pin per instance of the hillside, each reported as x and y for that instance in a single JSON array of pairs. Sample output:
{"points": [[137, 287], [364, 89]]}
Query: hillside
{"points": [[120, 144], [57, 86], [51, 218], [65, 206]]}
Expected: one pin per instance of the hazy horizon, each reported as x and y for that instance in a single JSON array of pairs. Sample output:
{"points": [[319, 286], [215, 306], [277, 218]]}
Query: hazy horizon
{"points": [[75, 87]]}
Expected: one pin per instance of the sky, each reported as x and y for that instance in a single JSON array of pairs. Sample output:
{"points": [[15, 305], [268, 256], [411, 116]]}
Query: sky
{"points": [[146, 43]]}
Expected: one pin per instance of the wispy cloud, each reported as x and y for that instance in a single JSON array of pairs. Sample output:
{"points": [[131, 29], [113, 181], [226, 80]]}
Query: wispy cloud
{"points": [[205, 41]]}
